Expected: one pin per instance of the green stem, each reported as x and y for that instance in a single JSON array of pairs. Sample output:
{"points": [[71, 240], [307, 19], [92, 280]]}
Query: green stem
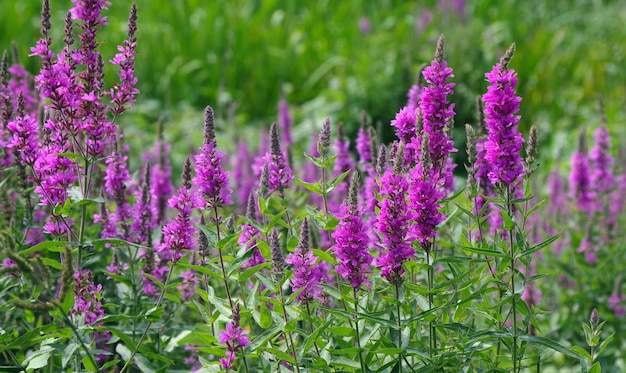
{"points": [[513, 298], [145, 331], [293, 347], [308, 310], [431, 327], [356, 326], [78, 337], [399, 327], [219, 249]]}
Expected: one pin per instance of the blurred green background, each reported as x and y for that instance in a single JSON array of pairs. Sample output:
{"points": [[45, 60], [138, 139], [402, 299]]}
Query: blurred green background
{"points": [[242, 56]]}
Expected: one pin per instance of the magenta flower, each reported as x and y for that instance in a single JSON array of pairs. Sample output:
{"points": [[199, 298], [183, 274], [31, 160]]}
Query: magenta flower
{"points": [[437, 113], [243, 178], [250, 234], [394, 226], [116, 178], [404, 123], [123, 94], [279, 171], [306, 274], [504, 140], [580, 185], [87, 298], [179, 234], [161, 180], [602, 177], [234, 338], [424, 197], [188, 287], [211, 178], [352, 241], [24, 139]]}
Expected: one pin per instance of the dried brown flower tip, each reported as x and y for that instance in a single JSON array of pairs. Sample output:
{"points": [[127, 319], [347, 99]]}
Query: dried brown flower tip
{"points": [[209, 125], [440, 51], [276, 254], [187, 173], [353, 193], [132, 23], [381, 160], [508, 56], [471, 145], [304, 244], [531, 149], [594, 318], [324, 140]]}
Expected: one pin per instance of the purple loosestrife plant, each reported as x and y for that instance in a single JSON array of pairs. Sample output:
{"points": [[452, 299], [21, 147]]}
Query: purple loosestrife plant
{"points": [[504, 141], [87, 298], [393, 223], [306, 273], [352, 242]]}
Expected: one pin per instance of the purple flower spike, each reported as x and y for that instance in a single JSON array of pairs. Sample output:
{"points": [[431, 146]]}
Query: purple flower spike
{"points": [[179, 233], [211, 178], [437, 113], [306, 274], [234, 338], [352, 241], [394, 223], [602, 177], [87, 297], [580, 187], [424, 197], [279, 171], [123, 94], [504, 140], [25, 135], [250, 234]]}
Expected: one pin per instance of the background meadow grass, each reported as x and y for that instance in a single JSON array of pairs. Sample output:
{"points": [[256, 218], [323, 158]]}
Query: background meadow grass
{"points": [[243, 56]]}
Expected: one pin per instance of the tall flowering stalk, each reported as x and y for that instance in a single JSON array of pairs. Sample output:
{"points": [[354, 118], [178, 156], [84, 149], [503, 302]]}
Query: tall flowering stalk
{"points": [[250, 234], [123, 93], [352, 249], [352, 241], [279, 171], [503, 147], [212, 181], [278, 271], [393, 223], [438, 114]]}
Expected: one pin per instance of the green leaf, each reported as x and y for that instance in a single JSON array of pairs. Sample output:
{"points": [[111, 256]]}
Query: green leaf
{"points": [[123, 351], [154, 314], [68, 353], [89, 365], [261, 339], [596, 368], [486, 252], [509, 224], [311, 187], [39, 359], [541, 341], [325, 256], [334, 182], [265, 317], [604, 344], [281, 355], [204, 312], [539, 246], [581, 351], [51, 246], [344, 362]]}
